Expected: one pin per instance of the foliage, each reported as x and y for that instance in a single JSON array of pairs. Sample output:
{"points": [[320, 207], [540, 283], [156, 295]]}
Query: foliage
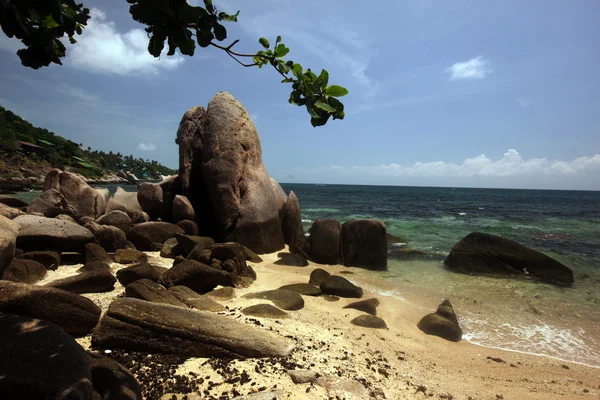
{"points": [[41, 23], [61, 152]]}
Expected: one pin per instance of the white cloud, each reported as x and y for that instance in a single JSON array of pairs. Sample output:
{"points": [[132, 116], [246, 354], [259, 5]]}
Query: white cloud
{"points": [[101, 48], [146, 146], [524, 102], [475, 68]]}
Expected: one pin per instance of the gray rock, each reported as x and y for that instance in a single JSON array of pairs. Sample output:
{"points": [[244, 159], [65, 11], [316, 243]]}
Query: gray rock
{"points": [[182, 209], [302, 375], [50, 203], [326, 241], [318, 276], [136, 272], [38, 360], [25, 271], [170, 248], [305, 289], [94, 252], [49, 259], [293, 232], [340, 286], [264, 311], [280, 198], [148, 290], [97, 281], [117, 218], [285, 299], [197, 276], [369, 306], [369, 321], [124, 201], [364, 244], [140, 325], [75, 314], [143, 235], [82, 200], [40, 233], [150, 198], [195, 300], [442, 323], [113, 381]]}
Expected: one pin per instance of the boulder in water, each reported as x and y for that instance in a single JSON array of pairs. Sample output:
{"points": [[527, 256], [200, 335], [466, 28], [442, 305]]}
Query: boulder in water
{"points": [[442, 323], [326, 241], [364, 244]]}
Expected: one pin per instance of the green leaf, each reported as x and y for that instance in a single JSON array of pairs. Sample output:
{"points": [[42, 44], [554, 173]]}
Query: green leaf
{"points": [[335, 91], [323, 79], [319, 121], [50, 23], [204, 37], [278, 40], [264, 42], [228, 17], [281, 50], [325, 107], [297, 70], [209, 5]]}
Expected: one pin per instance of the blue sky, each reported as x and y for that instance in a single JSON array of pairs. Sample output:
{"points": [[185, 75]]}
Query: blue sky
{"points": [[443, 93]]}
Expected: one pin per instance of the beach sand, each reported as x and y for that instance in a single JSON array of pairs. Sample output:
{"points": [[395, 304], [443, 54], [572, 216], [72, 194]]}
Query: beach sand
{"points": [[353, 362]]}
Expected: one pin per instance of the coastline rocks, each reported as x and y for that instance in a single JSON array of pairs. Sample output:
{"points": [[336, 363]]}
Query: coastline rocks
{"points": [[134, 324], [197, 276], [40, 233], [24, 271], [285, 299], [318, 276], [117, 218], [150, 198], [75, 314], [10, 212], [303, 289], [124, 201], [143, 235], [224, 293], [280, 198], [148, 290], [189, 138], [8, 242], [369, 306], [140, 217], [50, 203], [136, 272], [182, 209], [364, 244], [195, 300], [187, 243], [81, 199], [94, 266], [264, 311], [484, 254], [96, 281], [94, 252], [325, 241], [292, 260], [369, 321], [293, 232], [112, 381], [189, 227], [170, 248], [49, 259], [340, 286], [442, 323], [108, 237], [38, 360], [130, 256]]}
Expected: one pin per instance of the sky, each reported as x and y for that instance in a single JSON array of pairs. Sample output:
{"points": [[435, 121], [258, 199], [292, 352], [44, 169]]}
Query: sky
{"points": [[442, 93]]}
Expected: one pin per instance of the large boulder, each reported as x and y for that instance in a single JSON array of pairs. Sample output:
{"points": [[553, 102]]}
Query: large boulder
{"points": [[112, 381], [340, 286], [110, 238], [484, 254], [143, 235], [148, 290], [280, 198], [135, 324], [75, 314], [82, 200], [182, 209], [364, 244], [442, 323], [195, 275], [187, 243], [286, 299], [117, 218], [124, 201], [189, 138], [293, 232], [40, 233], [49, 259], [25, 271], [136, 272], [150, 198], [50, 203], [326, 241], [8, 241], [229, 187], [12, 201], [195, 300], [95, 281], [38, 360]]}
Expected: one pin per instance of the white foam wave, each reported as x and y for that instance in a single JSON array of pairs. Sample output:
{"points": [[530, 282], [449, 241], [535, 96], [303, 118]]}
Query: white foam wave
{"points": [[399, 244], [307, 220], [462, 213]]}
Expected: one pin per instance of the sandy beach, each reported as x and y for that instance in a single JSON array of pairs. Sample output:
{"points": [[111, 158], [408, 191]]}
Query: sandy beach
{"points": [[353, 362]]}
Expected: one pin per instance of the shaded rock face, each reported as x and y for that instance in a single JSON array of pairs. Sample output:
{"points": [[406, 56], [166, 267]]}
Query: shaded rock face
{"points": [[364, 244], [50, 203], [136, 272], [195, 275], [442, 323], [195, 300], [124, 201], [96, 281], [95, 252], [484, 254], [293, 233], [150, 198], [229, 187], [38, 360], [117, 218], [81, 199], [189, 139], [140, 325], [130, 256], [8, 241], [113, 381], [108, 237], [75, 314], [326, 241], [190, 227], [25, 271], [12, 201], [145, 289], [49, 259], [170, 248], [144, 235], [318, 276], [182, 209], [39, 233], [340, 286], [187, 243], [280, 198]]}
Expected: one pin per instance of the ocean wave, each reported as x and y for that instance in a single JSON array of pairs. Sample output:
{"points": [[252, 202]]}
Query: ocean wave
{"points": [[310, 221], [322, 210], [462, 213]]}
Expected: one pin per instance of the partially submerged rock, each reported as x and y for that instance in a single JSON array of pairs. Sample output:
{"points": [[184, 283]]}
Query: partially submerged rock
{"points": [[364, 244], [442, 323], [326, 241]]}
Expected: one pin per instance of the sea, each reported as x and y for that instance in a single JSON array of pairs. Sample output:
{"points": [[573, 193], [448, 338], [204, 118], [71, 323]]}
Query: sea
{"points": [[516, 315]]}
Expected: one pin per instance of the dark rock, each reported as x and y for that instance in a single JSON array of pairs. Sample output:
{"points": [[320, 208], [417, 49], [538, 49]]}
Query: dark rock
{"points": [[326, 241], [140, 217], [280, 198], [130, 256], [9, 230], [12, 201], [303, 288], [285, 299], [340, 286], [318, 276], [82, 200], [129, 245], [201, 254], [170, 249], [95, 252], [148, 290], [156, 246], [442, 323], [134, 324], [150, 198], [38, 360], [182, 209], [331, 298], [108, 237], [224, 293], [113, 381], [25, 271], [189, 138], [124, 201], [94, 266], [75, 314], [364, 244], [117, 218], [84, 220], [136, 272], [291, 260], [369, 321], [143, 235], [49, 259], [293, 232], [252, 256], [395, 240], [369, 306], [302, 375], [195, 300], [189, 227], [484, 254], [40, 233], [50, 204], [197, 276], [264, 311], [97, 281], [186, 243]]}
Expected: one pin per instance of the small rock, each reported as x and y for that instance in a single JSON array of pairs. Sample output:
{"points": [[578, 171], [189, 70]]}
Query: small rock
{"points": [[369, 321], [264, 311], [340, 286], [318, 276], [302, 288], [369, 306], [302, 375], [285, 299]]}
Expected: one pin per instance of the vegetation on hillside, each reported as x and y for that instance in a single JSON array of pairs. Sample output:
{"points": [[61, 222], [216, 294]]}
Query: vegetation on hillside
{"points": [[63, 153]]}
